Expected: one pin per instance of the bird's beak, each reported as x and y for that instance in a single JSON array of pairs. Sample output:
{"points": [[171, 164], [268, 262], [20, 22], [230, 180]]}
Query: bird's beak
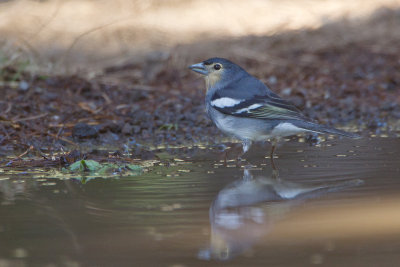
{"points": [[200, 68]]}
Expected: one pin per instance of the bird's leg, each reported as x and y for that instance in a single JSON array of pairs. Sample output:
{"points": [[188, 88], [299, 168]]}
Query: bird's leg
{"points": [[246, 146], [247, 173], [225, 158], [275, 172]]}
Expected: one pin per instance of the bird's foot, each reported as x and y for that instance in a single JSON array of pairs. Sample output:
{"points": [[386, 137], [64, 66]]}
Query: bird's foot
{"points": [[239, 161], [275, 174], [247, 176]]}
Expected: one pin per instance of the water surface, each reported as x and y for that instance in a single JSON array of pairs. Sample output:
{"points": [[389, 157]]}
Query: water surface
{"points": [[333, 204]]}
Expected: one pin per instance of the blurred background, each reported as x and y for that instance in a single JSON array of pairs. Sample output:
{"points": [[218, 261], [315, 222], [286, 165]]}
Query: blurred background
{"points": [[125, 61], [80, 35]]}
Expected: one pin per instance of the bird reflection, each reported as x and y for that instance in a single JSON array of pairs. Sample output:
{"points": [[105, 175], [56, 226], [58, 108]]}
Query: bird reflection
{"points": [[245, 210]]}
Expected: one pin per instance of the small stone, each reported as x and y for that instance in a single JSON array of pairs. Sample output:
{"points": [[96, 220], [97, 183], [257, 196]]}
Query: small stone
{"points": [[55, 118], [272, 80], [109, 126], [84, 131], [298, 101], [20, 253], [286, 91], [317, 258], [144, 154], [71, 157], [388, 105], [48, 96], [313, 139], [23, 86], [375, 124], [38, 90], [127, 129]]}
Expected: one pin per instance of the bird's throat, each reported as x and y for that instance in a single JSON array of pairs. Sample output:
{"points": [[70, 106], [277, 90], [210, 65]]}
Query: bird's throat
{"points": [[212, 79]]}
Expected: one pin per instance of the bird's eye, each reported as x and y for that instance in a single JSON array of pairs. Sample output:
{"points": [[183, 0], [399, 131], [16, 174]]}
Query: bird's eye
{"points": [[217, 66]]}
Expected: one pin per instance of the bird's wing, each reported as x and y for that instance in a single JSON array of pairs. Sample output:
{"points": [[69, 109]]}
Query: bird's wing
{"points": [[259, 103]]}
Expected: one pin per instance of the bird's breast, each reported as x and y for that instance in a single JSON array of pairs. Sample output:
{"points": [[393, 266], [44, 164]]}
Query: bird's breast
{"points": [[241, 128]]}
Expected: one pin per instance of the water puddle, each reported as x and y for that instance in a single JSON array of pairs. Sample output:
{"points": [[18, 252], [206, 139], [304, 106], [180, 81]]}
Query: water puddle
{"points": [[337, 203]]}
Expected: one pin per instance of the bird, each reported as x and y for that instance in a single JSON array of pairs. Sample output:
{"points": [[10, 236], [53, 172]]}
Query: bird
{"points": [[243, 107], [246, 210]]}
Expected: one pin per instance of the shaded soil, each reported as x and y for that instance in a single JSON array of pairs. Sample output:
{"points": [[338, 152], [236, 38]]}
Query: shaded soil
{"points": [[158, 102]]}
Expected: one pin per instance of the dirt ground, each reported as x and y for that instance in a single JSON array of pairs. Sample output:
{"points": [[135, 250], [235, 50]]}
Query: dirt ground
{"points": [[343, 72]]}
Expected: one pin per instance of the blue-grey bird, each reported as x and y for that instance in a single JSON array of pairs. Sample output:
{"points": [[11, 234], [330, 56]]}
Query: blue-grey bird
{"points": [[242, 106]]}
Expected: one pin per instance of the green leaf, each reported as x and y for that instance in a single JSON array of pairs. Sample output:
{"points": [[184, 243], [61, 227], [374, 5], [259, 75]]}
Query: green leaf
{"points": [[104, 169], [85, 165], [92, 165], [134, 167]]}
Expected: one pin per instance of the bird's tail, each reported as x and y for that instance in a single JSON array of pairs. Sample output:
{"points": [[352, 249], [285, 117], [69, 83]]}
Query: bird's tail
{"points": [[314, 127]]}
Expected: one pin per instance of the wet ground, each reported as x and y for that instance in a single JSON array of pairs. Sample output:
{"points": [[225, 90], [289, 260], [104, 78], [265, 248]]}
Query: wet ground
{"points": [[334, 204]]}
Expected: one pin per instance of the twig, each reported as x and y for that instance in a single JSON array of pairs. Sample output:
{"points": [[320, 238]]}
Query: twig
{"points": [[143, 87], [20, 156], [106, 98], [49, 20], [85, 33], [8, 109], [62, 125], [30, 118], [26, 152], [40, 152], [60, 131], [63, 139], [5, 131]]}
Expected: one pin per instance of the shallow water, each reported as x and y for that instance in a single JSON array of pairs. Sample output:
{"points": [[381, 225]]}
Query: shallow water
{"points": [[333, 204]]}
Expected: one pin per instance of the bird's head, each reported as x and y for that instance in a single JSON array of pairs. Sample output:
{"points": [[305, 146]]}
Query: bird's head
{"points": [[218, 70]]}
